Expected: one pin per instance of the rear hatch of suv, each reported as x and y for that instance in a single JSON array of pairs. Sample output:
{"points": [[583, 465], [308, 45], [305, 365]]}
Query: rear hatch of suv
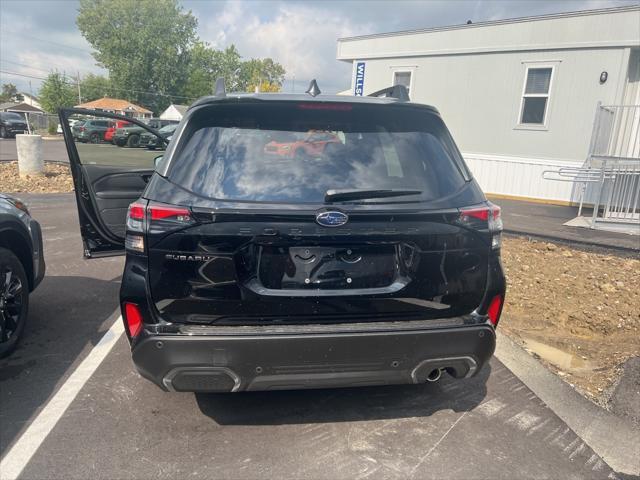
{"points": [[354, 217]]}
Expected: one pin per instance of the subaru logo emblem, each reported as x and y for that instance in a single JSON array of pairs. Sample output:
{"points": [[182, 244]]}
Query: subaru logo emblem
{"points": [[332, 218]]}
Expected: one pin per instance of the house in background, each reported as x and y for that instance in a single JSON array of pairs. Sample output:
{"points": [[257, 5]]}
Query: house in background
{"points": [[31, 100], [174, 112], [520, 96], [20, 107], [117, 106]]}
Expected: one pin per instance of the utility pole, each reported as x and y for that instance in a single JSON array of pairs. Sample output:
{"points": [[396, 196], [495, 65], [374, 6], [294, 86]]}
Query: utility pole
{"points": [[79, 95]]}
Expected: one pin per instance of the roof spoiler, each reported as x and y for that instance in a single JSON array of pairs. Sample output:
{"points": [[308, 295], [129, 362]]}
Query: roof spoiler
{"points": [[397, 91]]}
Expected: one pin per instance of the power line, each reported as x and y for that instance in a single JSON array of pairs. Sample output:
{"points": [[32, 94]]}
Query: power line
{"points": [[23, 65], [21, 34], [105, 88]]}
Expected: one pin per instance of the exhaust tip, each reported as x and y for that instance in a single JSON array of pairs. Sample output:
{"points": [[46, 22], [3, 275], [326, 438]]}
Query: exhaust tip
{"points": [[434, 375]]}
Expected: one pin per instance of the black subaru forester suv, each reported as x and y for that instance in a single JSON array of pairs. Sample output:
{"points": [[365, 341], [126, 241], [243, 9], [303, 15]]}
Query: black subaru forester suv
{"points": [[369, 258]]}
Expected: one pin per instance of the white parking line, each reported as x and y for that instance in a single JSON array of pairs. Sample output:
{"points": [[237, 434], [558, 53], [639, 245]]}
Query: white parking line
{"points": [[17, 458]]}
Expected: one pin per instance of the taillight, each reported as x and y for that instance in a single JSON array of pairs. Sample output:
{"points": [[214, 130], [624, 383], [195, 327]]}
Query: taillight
{"points": [[155, 218], [169, 213], [484, 217], [495, 309], [82, 129], [133, 319]]}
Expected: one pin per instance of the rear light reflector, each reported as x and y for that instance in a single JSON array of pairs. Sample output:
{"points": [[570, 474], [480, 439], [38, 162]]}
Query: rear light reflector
{"points": [[133, 319], [495, 309], [134, 242]]}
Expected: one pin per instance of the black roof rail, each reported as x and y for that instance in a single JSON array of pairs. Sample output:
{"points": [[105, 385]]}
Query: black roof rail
{"points": [[397, 91]]}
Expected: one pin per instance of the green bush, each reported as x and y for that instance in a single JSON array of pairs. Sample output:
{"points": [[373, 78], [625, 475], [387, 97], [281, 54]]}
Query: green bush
{"points": [[53, 125]]}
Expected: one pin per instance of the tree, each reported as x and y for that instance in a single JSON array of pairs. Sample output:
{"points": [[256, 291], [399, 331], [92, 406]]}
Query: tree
{"points": [[265, 73], [145, 45], [93, 87], [207, 65], [56, 92], [9, 92]]}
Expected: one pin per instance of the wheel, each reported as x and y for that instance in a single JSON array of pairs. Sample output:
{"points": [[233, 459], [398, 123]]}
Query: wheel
{"points": [[119, 143], [3, 132], [133, 141], [14, 301], [94, 138]]}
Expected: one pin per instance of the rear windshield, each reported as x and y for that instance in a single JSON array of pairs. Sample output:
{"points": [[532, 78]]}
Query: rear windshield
{"points": [[295, 152]]}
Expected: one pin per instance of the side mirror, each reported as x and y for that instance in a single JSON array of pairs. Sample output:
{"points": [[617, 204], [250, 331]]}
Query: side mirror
{"points": [[157, 160]]}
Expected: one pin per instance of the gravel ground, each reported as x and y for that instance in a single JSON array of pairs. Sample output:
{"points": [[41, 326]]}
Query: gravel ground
{"points": [[579, 312], [57, 179]]}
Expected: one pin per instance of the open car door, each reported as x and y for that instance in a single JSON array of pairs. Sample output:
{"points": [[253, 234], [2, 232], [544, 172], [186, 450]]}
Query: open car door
{"points": [[107, 177]]}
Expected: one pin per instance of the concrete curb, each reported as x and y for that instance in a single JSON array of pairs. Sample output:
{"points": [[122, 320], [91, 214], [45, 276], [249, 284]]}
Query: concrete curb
{"points": [[584, 244], [612, 438]]}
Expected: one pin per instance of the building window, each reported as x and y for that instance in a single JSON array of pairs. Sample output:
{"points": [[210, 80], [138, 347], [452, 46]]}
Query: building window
{"points": [[535, 98], [402, 78]]}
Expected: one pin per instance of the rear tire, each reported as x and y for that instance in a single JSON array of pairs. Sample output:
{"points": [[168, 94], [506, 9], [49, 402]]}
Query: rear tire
{"points": [[14, 301], [94, 138], [133, 141]]}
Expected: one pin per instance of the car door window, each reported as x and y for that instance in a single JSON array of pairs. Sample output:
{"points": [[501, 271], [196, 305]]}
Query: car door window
{"points": [[121, 147]]}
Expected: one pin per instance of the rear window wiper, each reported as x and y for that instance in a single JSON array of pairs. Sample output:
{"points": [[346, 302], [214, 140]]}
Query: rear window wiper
{"points": [[345, 195]]}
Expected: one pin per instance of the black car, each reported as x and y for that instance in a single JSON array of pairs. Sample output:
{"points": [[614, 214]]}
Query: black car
{"points": [[151, 141], [21, 268], [373, 261], [131, 135], [12, 123]]}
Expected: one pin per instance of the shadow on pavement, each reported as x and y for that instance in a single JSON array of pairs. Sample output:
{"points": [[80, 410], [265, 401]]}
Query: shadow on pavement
{"points": [[345, 405], [66, 318]]}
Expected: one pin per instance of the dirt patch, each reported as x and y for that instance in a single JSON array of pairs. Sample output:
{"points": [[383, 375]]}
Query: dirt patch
{"points": [[577, 311], [57, 179]]}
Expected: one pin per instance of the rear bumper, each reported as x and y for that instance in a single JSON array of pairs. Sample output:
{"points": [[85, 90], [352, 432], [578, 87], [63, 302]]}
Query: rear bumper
{"points": [[279, 361]]}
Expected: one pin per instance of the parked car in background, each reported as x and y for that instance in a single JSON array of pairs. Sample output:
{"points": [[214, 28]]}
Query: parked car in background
{"points": [[92, 131], [152, 142], [75, 128], [108, 135], [71, 124], [130, 136], [21, 268], [374, 262], [12, 123]]}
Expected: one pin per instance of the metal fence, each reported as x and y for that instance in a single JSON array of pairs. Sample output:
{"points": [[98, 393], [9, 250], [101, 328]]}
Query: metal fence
{"points": [[611, 174]]}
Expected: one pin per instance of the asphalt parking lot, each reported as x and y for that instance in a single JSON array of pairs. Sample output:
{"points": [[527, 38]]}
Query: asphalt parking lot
{"points": [[52, 150], [121, 426]]}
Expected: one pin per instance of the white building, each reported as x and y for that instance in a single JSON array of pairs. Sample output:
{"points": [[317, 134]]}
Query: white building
{"points": [[31, 100], [174, 112], [520, 96]]}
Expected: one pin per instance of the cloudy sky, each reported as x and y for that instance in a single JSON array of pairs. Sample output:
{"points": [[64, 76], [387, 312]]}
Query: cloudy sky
{"points": [[37, 36]]}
